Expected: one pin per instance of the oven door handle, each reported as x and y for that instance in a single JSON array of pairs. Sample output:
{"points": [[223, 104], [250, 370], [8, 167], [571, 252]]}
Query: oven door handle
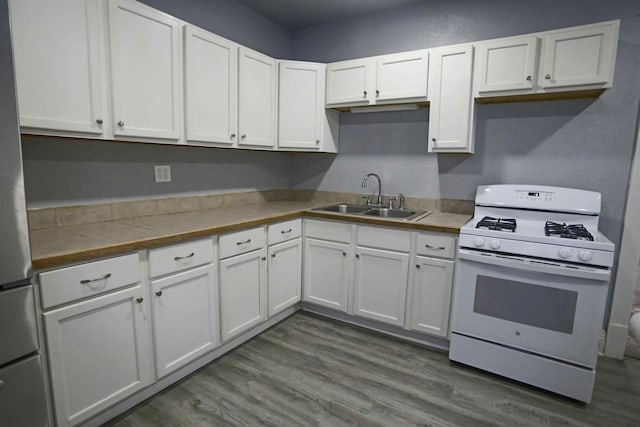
{"points": [[516, 263]]}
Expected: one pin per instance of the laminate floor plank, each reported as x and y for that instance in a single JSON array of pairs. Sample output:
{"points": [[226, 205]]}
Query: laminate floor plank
{"points": [[313, 371]]}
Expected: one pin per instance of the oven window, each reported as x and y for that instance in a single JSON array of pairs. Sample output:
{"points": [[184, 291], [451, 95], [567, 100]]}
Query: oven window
{"points": [[533, 305]]}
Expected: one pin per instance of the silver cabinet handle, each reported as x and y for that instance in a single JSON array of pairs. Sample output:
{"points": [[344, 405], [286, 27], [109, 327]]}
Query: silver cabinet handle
{"points": [[365, 93], [139, 300], [439, 248], [243, 136], [548, 77], [317, 141], [529, 78], [418, 266], [159, 293], [273, 255], [99, 121], [344, 253], [286, 231], [178, 258], [243, 243], [120, 123], [233, 135], [264, 258], [87, 281], [358, 256], [377, 93], [433, 139]]}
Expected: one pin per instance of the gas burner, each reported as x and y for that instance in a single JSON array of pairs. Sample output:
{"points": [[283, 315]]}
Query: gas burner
{"points": [[571, 231], [498, 224]]}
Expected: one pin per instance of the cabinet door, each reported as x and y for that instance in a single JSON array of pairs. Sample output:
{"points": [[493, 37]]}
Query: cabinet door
{"points": [[145, 71], [211, 87], [579, 57], [97, 353], [257, 99], [351, 82], [285, 275], [431, 296], [402, 76], [243, 292], [508, 65], [451, 109], [301, 105], [59, 63], [326, 273], [185, 317], [380, 285]]}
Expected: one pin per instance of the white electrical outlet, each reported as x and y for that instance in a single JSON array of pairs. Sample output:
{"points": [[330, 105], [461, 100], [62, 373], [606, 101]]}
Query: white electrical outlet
{"points": [[162, 173]]}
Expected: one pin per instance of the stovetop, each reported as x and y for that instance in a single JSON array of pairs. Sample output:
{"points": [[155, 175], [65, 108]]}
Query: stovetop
{"points": [[567, 231]]}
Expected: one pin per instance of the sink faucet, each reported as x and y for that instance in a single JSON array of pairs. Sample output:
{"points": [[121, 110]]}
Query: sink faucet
{"points": [[364, 183]]}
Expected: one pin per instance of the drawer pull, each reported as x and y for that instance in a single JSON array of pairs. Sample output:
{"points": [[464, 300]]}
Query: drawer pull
{"points": [[87, 281], [287, 231], [244, 243], [139, 300], [264, 258], [178, 258], [159, 293], [418, 266], [273, 255], [438, 248]]}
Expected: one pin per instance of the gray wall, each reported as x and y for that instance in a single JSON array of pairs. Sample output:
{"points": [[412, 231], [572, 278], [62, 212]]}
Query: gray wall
{"points": [[70, 171], [66, 171], [581, 143]]}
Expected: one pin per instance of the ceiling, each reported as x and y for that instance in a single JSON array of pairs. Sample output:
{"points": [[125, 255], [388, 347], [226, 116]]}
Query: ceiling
{"points": [[297, 14]]}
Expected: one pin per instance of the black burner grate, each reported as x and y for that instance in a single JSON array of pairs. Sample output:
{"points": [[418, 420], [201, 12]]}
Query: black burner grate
{"points": [[499, 224], [571, 231]]}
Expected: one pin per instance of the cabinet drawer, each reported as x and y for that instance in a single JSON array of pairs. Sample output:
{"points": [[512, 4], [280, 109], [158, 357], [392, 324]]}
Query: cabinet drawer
{"points": [[327, 230], [284, 231], [384, 238], [80, 281], [170, 259], [440, 246], [241, 241]]}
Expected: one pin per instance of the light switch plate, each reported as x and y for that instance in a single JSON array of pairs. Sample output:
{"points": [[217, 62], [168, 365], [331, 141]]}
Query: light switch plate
{"points": [[162, 173]]}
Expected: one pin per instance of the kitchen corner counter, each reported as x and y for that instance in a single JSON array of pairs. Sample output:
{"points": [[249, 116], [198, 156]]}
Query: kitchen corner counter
{"points": [[52, 247]]}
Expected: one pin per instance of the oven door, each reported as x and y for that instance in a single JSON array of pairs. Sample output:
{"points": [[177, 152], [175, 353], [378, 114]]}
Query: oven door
{"points": [[547, 308]]}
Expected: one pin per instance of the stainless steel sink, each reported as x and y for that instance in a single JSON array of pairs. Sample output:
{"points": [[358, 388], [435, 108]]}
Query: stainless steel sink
{"points": [[404, 214], [344, 208]]}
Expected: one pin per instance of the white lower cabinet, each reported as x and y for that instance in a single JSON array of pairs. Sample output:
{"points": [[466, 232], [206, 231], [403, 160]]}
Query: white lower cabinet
{"points": [[97, 353], [380, 285], [431, 295], [185, 317], [326, 273], [243, 292], [285, 275]]}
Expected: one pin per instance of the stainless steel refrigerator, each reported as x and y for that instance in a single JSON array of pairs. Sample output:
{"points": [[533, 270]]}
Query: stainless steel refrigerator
{"points": [[22, 398]]}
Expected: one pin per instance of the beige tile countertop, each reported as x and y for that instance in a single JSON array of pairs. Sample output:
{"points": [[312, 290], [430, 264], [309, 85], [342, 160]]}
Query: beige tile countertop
{"points": [[58, 245]]}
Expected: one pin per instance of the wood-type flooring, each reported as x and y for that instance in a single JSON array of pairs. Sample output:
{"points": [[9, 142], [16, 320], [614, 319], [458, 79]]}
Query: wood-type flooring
{"points": [[313, 371]]}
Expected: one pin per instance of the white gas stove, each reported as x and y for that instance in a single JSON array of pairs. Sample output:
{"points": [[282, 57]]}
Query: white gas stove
{"points": [[531, 284]]}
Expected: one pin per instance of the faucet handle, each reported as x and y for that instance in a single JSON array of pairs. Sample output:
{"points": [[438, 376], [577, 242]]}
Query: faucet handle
{"points": [[368, 199], [391, 200]]}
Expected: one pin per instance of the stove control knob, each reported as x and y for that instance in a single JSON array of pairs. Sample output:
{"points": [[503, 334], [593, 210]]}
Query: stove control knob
{"points": [[479, 242], [564, 253], [495, 244], [585, 256]]}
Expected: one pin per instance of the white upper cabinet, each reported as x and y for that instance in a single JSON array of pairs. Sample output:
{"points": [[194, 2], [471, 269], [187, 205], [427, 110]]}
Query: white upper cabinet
{"points": [[378, 80], [303, 122], [59, 63], [580, 56], [402, 76], [452, 110], [257, 99], [145, 71], [351, 82], [507, 65], [211, 88]]}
